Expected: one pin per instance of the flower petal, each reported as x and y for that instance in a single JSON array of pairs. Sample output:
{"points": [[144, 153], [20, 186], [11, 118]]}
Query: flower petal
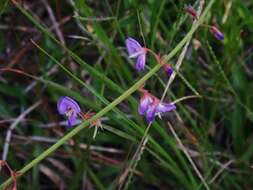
{"points": [[168, 69], [162, 107], [217, 33], [144, 104], [132, 46], [150, 116], [219, 36], [72, 120], [65, 103], [61, 105], [140, 63]]}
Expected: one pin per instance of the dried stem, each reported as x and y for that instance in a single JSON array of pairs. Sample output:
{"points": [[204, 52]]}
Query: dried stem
{"points": [[223, 167], [12, 127], [54, 22]]}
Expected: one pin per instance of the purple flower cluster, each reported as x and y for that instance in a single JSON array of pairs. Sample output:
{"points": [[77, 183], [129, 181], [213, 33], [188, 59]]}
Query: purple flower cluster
{"points": [[70, 108], [152, 106]]}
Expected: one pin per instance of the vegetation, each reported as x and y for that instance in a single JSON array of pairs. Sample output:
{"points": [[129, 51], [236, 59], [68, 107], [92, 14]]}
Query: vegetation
{"points": [[75, 53]]}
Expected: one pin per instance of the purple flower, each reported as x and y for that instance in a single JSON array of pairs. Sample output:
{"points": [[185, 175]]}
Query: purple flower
{"points": [[156, 108], [217, 33], [152, 106], [145, 101], [135, 50], [168, 69], [68, 107]]}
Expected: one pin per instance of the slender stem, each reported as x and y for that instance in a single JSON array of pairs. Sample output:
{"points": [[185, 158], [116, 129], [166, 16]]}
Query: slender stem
{"points": [[158, 59], [223, 167], [108, 108], [206, 25], [188, 156], [135, 158], [141, 31], [182, 55], [185, 98]]}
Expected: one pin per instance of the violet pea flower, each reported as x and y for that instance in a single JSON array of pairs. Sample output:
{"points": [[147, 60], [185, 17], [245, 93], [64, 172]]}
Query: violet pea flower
{"points": [[135, 50], [70, 108], [152, 106], [156, 108], [217, 33]]}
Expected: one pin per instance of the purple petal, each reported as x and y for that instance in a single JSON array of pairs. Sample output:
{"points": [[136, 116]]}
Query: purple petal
{"points": [[132, 46], [150, 116], [217, 33], [219, 36], [144, 104], [168, 69], [65, 103], [162, 107], [72, 120], [140, 63], [61, 105]]}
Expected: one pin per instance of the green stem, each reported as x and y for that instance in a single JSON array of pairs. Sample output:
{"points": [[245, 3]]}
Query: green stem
{"points": [[136, 157], [132, 89]]}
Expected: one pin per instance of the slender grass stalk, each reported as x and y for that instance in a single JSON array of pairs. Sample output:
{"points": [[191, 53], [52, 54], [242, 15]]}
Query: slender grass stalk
{"points": [[232, 90], [108, 108], [137, 156], [183, 53], [188, 156]]}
